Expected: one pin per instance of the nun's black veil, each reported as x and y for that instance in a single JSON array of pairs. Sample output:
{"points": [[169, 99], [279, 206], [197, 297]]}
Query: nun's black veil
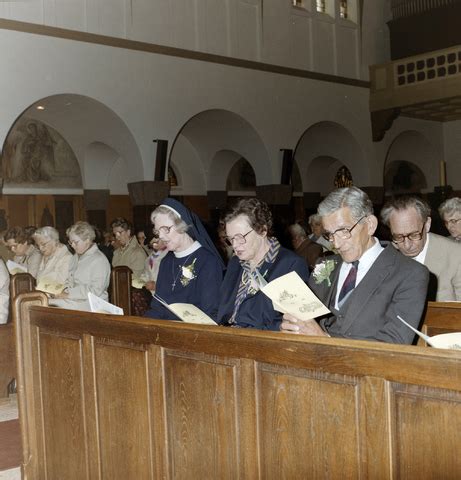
{"points": [[196, 228]]}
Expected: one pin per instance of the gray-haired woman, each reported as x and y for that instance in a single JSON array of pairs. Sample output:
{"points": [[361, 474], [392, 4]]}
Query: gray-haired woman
{"points": [[89, 270], [54, 266]]}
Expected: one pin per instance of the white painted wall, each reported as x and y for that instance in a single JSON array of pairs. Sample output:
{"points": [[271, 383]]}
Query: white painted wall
{"points": [[271, 31]]}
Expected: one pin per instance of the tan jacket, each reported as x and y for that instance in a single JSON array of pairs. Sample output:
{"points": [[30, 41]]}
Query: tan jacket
{"points": [[132, 255], [443, 259]]}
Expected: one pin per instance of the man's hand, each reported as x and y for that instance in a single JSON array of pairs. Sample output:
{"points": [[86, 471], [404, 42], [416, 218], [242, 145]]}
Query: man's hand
{"points": [[291, 324]]}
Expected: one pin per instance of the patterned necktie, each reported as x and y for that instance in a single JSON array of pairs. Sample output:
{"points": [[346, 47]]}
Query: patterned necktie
{"points": [[349, 284]]}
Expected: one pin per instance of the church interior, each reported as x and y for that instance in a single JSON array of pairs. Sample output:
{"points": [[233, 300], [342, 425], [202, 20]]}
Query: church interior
{"points": [[108, 106]]}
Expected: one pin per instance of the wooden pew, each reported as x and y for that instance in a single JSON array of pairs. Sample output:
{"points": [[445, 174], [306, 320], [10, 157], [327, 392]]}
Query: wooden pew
{"points": [[110, 397], [442, 317], [120, 288], [19, 283]]}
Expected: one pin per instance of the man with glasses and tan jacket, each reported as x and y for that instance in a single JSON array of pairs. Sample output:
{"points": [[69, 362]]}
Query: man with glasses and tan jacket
{"points": [[409, 221]]}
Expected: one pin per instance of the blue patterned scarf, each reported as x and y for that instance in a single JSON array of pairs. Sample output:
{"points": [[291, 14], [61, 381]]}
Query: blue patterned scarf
{"points": [[249, 284]]}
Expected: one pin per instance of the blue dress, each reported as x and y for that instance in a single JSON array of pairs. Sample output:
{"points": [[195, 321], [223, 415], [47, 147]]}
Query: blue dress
{"points": [[256, 311], [195, 278]]}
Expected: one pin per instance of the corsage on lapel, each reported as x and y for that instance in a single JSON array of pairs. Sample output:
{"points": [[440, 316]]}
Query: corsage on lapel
{"points": [[188, 273], [322, 272]]}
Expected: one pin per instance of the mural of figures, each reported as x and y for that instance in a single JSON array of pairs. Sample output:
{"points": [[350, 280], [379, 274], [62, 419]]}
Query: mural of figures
{"points": [[37, 156]]}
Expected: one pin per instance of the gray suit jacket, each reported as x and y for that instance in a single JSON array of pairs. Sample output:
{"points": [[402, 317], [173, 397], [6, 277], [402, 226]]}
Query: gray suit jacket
{"points": [[443, 259], [394, 285]]}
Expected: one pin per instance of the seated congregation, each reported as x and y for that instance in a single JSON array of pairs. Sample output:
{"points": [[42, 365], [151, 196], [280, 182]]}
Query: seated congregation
{"points": [[364, 282]]}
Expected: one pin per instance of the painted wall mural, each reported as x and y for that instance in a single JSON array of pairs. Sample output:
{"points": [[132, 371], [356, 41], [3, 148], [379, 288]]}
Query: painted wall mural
{"points": [[35, 155]]}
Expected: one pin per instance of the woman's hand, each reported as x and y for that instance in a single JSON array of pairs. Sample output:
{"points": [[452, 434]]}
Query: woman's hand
{"points": [[150, 285]]}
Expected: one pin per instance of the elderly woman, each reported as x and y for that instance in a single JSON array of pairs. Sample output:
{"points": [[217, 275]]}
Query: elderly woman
{"points": [[248, 230], [20, 241], [129, 253], [89, 270], [54, 266], [450, 211], [191, 272], [152, 265]]}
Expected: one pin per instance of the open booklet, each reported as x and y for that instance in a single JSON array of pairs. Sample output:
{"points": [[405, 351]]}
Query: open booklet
{"points": [[48, 286], [187, 312], [98, 305], [289, 294], [14, 267]]}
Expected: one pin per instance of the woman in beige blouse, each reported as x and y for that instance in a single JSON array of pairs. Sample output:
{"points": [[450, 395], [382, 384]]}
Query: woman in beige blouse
{"points": [[19, 240], [54, 266]]}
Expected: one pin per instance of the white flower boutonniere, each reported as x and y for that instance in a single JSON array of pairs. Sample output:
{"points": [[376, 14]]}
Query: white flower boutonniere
{"points": [[188, 273], [323, 270]]}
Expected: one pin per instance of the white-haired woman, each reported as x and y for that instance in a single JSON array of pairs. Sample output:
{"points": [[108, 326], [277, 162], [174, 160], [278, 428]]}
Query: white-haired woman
{"points": [[192, 270], [89, 270], [54, 266]]}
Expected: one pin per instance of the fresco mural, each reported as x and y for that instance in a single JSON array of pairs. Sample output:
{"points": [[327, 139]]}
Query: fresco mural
{"points": [[37, 156]]}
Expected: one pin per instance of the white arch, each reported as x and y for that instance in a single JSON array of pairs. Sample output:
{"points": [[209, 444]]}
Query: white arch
{"points": [[328, 143], [87, 124], [206, 135]]}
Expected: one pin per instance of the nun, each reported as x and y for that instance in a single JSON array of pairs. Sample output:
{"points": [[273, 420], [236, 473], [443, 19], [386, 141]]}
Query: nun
{"points": [[192, 270]]}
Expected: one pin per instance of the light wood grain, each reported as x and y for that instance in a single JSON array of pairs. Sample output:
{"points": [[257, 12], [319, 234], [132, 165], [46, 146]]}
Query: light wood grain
{"points": [[156, 399]]}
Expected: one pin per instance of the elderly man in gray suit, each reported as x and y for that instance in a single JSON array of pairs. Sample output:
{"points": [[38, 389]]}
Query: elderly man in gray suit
{"points": [[409, 221], [366, 286]]}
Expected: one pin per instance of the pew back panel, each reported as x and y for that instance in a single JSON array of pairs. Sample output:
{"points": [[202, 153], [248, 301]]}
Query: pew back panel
{"points": [[156, 399], [120, 288], [441, 317]]}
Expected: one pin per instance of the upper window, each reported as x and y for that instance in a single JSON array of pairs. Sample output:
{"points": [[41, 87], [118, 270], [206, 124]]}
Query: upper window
{"points": [[343, 9], [320, 6]]}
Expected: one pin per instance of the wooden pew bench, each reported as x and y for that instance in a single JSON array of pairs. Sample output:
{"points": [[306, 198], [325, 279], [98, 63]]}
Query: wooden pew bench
{"points": [[442, 317], [112, 397], [19, 283]]}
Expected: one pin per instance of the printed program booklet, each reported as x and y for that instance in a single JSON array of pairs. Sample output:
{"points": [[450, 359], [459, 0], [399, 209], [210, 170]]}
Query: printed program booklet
{"points": [[98, 305], [187, 312], [289, 294]]}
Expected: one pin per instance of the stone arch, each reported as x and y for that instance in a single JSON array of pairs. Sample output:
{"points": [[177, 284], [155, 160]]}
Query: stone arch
{"points": [[208, 145], [95, 134], [321, 150], [411, 164]]}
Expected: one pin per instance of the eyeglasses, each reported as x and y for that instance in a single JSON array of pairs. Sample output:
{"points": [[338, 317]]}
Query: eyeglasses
{"points": [[413, 236], [342, 233], [74, 242], [164, 229], [452, 222], [239, 239]]}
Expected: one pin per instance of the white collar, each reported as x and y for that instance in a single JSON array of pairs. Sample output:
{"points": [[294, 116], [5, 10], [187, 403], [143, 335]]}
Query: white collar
{"points": [[195, 246], [422, 254]]}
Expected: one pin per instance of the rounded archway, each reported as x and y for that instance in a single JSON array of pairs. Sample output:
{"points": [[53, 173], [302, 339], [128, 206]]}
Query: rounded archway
{"points": [[411, 165], [83, 144], [208, 146], [322, 150]]}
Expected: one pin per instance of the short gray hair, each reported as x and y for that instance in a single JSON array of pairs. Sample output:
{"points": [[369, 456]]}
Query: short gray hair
{"points": [[297, 230], [315, 219], [404, 203], [47, 232], [82, 230], [351, 197], [180, 225], [450, 206]]}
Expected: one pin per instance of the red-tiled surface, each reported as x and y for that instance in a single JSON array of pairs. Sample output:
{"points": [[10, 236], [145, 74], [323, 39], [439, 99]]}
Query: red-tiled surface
{"points": [[10, 444]]}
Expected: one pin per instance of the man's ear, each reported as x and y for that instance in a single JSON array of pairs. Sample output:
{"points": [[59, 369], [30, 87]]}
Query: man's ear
{"points": [[372, 223], [428, 224]]}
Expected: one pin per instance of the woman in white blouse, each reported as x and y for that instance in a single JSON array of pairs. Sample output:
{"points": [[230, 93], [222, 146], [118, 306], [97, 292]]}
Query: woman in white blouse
{"points": [[54, 266], [89, 270]]}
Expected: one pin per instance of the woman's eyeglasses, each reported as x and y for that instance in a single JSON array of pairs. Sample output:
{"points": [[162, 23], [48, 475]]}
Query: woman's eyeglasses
{"points": [[239, 239], [162, 230]]}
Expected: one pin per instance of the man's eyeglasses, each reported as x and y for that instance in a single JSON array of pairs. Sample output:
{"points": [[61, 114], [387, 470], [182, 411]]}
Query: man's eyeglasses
{"points": [[239, 239], [413, 236], [164, 229], [342, 233], [452, 222]]}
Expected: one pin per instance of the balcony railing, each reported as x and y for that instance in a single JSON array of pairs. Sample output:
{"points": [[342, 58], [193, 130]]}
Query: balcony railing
{"points": [[410, 8]]}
